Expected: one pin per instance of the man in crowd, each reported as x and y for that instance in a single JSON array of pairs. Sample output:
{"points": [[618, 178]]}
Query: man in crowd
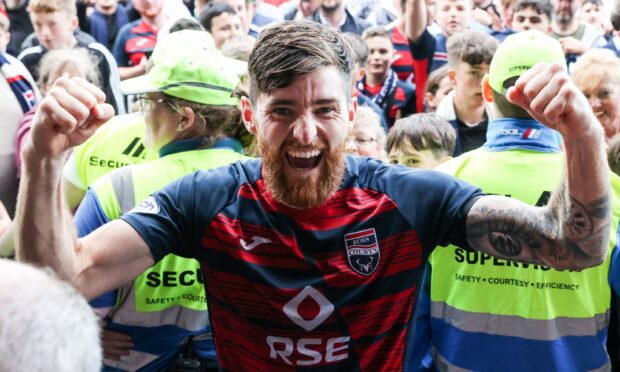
{"points": [[481, 313], [334, 13], [576, 37], [310, 257]]}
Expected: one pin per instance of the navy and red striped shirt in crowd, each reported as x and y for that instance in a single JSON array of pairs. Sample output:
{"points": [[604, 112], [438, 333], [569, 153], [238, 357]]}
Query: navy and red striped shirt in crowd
{"points": [[331, 287], [412, 61], [134, 41], [400, 104]]}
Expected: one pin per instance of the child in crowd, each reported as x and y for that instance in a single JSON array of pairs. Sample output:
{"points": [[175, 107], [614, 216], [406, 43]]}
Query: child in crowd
{"points": [[222, 22], [395, 97], [421, 141], [437, 87], [54, 23], [367, 137], [532, 15], [469, 55], [360, 52]]}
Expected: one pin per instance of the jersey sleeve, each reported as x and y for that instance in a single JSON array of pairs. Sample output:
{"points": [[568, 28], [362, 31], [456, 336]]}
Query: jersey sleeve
{"points": [[89, 215], [165, 220], [435, 204]]}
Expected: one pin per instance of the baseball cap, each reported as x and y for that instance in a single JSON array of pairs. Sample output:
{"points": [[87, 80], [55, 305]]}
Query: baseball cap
{"points": [[521, 51], [187, 65]]}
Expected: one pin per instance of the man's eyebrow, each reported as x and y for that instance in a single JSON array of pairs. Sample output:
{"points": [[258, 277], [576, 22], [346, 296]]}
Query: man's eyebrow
{"points": [[281, 102], [325, 101]]}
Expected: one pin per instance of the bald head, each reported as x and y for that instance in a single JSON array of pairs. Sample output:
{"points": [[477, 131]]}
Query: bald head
{"points": [[45, 324]]}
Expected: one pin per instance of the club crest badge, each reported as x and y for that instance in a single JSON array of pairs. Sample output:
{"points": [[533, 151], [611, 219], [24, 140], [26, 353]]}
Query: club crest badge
{"points": [[363, 251]]}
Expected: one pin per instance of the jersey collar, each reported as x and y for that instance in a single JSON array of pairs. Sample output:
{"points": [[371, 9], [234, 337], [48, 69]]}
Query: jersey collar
{"points": [[197, 144], [521, 134]]}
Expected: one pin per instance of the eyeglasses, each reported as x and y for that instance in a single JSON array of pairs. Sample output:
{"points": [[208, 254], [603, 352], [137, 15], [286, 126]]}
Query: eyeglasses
{"points": [[145, 101], [363, 141]]}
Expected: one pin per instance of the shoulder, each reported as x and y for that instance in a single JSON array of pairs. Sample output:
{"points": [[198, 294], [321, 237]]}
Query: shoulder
{"points": [[394, 180], [31, 54]]}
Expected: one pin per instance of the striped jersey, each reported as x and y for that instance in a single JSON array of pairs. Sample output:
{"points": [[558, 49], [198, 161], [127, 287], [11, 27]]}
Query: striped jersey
{"points": [[332, 286]]}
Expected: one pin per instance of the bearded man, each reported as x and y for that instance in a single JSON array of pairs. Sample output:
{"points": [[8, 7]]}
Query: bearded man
{"points": [[312, 258]]}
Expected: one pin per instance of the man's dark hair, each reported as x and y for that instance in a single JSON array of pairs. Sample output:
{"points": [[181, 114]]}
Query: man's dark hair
{"points": [[212, 10], [423, 132], [615, 16], [375, 32], [472, 47], [186, 24], [543, 7], [434, 79], [505, 108], [360, 49], [291, 49]]}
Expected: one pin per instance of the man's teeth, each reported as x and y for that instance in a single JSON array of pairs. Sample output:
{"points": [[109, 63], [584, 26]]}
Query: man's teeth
{"points": [[599, 113], [304, 154]]}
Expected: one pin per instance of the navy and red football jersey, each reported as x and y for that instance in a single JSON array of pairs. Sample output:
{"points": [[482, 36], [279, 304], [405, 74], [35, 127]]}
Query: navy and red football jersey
{"points": [[330, 287], [134, 41]]}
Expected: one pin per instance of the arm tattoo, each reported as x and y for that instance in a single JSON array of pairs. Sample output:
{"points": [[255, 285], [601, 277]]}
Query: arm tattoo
{"points": [[516, 231]]}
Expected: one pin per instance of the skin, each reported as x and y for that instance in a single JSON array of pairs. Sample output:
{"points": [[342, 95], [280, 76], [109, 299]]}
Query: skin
{"points": [[314, 113], [55, 30], [224, 27], [308, 7], [529, 19], [362, 141], [433, 100], [413, 158], [106, 6], [380, 55], [5, 37], [592, 14], [317, 119], [244, 11], [467, 82], [453, 15], [603, 99]]}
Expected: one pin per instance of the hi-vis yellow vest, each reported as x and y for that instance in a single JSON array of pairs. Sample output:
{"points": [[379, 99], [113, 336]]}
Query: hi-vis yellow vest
{"points": [[171, 293], [118, 143], [494, 314]]}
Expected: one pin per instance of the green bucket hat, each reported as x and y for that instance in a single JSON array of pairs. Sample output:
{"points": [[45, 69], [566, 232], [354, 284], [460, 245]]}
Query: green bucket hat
{"points": [[519, 52], [186, 64]]}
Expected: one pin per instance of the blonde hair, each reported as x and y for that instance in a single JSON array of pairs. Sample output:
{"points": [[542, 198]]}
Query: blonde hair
{"points": [[51, 6], [56, 61], [367, 117], [596, 66], [5, 23]]}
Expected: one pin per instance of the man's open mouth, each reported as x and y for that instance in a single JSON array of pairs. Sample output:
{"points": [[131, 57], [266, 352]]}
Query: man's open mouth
{"points": [[304, 159]]}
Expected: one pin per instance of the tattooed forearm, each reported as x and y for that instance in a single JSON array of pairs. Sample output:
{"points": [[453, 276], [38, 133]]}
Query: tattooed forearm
{"points": [[564, 236]]}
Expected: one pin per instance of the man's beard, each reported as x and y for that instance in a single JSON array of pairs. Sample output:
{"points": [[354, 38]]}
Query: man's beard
{"points": [[302, 192], [564, 18], [330, 8]]}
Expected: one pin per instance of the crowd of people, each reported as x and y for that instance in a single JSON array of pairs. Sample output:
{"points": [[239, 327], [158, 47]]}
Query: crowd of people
{"points": [[281, 185]]}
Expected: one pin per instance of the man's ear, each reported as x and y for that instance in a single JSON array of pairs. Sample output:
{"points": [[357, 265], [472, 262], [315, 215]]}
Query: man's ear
{"points": [[352, 111], [75, 23], [487, 91], [452, 76], [247, 114], [188, 119]]}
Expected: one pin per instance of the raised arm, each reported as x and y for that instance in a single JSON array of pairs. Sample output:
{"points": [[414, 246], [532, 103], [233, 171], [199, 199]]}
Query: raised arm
{"points": [[414, 15], [572, 231], [113, 255]]}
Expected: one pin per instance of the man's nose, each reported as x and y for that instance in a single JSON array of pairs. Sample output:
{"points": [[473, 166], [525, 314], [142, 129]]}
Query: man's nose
{"points": [[305, 129]]}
